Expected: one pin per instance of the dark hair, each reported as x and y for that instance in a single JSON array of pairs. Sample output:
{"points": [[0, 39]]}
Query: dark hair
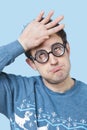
{"points": [[61, 34]]}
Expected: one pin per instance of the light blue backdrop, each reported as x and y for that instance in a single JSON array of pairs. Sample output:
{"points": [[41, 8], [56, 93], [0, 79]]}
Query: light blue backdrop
{"points": [[15, 14]]}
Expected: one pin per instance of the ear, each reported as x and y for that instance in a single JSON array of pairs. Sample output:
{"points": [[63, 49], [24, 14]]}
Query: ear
{"points": [[31, 63], [68, 48]]}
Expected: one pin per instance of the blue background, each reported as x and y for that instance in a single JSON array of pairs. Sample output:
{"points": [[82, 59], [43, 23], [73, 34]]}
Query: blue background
{"points": [[15, 14]]}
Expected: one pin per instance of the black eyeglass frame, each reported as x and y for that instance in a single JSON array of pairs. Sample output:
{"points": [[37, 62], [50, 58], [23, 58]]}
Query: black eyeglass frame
{"points": [[52, 47]]}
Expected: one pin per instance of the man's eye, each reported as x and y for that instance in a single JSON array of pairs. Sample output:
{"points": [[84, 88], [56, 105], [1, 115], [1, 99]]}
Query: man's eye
{"points": [[57, 48], [42, 56]]}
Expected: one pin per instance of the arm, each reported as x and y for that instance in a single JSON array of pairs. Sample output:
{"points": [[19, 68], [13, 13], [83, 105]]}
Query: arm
{"points": [[9, 52], [33, 35]]}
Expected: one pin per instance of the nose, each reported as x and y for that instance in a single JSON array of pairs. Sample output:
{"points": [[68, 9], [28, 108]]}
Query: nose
{"points": [[53, 59]]}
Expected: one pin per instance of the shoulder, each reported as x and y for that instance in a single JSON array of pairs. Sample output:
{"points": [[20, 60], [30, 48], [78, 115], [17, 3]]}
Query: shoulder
{"points": [[19, 81], [82, 86], [81, 83]]}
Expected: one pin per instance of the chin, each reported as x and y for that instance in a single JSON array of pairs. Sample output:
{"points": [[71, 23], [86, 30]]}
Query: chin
{"points": [[57, 79], [54, 80]]}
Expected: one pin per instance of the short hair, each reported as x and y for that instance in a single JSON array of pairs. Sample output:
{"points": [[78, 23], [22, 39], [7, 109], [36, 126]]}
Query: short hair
{"points": [[61, 34]]}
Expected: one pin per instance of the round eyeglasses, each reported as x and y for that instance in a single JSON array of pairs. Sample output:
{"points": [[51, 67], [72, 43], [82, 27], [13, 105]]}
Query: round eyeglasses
{"points": [[42, 56]]}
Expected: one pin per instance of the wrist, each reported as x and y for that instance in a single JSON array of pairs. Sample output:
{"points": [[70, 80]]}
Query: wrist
{"points": [[22, 44]]}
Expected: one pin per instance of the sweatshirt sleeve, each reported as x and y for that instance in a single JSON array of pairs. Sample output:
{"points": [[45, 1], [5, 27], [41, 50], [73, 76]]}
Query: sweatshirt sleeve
{"points": [[9, 52]]}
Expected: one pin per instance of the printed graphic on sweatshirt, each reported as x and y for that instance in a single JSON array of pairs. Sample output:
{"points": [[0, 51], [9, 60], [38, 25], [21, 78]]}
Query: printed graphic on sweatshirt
{"points": [[26, 119]]}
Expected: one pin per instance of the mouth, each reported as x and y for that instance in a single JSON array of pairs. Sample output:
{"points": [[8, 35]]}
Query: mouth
{"points": [[56, 69]]}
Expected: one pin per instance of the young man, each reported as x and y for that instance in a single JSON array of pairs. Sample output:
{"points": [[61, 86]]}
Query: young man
{"points": [[53, 100]]}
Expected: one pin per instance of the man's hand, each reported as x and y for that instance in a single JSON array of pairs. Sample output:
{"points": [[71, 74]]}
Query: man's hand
{"points": [[39, 30]]}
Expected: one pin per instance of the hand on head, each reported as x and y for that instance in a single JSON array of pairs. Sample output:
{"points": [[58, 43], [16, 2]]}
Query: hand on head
{"points": [[39, 30]]}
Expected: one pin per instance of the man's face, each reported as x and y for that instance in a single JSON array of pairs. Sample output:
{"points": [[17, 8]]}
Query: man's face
{"points": [[56, 69]]}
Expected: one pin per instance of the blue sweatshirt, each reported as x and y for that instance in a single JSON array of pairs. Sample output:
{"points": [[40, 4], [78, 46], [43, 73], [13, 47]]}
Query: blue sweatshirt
{"points": [[30, 105]]}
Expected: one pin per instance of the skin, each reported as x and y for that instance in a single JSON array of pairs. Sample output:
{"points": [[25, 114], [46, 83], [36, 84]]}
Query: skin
{"points": [[39, 30], [56, 74]]}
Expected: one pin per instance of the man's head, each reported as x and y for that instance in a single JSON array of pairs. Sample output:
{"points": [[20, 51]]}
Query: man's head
{"points": [[56, 69]]}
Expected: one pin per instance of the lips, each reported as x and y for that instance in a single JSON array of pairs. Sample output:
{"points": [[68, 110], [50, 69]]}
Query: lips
{"points": [[56, 69]]}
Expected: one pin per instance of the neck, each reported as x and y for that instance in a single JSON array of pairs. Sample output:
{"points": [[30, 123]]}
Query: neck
{"points": [[61, 87]]}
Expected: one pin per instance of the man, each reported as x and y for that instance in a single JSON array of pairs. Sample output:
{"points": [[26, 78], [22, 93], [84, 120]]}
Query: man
{"points": [[53, 100]]}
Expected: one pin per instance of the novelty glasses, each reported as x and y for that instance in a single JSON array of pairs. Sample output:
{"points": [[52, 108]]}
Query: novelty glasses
{"points": [[42, 56]]}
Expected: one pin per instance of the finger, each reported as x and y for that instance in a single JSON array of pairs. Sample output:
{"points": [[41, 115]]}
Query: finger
{"points": [[54, 23], [39, 17], [56, 29], [47, 18]]}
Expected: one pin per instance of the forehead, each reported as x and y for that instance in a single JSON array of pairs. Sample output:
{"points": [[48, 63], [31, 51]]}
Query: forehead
{"points": [[48, 43]]}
